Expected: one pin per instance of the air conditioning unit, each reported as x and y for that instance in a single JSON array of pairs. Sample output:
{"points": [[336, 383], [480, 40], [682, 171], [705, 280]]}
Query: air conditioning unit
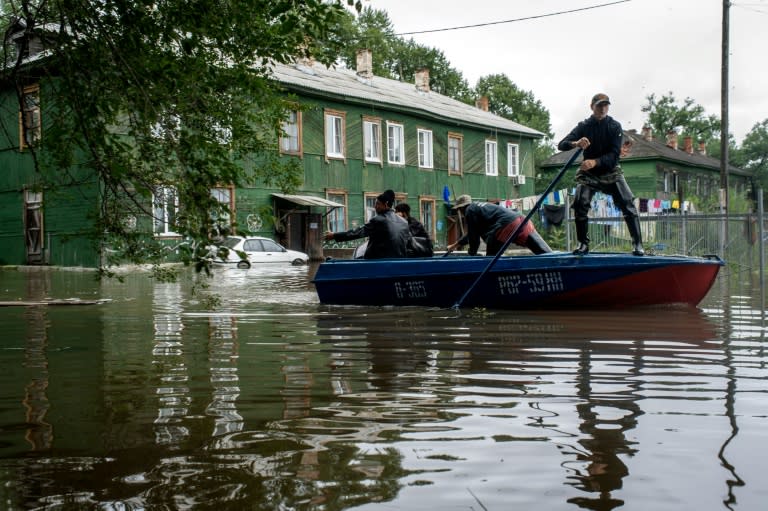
{"points": [[518, 179]]}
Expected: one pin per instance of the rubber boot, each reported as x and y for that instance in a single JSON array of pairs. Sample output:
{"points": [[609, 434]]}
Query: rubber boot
{"points": [[582, 235], [633, 225], [536, 244]]}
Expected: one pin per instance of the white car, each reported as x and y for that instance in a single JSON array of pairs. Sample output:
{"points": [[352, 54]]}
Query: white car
{"points": [[257, 250]]}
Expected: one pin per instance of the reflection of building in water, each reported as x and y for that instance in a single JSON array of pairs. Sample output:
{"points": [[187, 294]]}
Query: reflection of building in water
{"points": [[169, 361], [223, 358], [36, 405]]}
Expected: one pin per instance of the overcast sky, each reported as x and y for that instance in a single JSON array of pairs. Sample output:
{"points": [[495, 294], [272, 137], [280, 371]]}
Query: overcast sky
{"points": [[628, 50]]}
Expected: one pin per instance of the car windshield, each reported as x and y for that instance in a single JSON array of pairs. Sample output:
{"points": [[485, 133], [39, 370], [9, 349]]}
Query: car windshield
{"points": [[230, 242]]}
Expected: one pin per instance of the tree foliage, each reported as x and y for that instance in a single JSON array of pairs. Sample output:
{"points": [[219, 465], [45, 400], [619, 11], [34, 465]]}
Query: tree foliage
{"points": [[666, 114], [142, 94], [754, 151]]}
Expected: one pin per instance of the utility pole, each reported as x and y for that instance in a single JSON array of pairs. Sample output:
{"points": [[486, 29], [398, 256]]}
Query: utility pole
{"points": [[724, 110]]}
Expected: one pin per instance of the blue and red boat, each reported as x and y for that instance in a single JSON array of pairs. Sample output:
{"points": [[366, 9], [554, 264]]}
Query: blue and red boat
{"points": [[556, 280]]}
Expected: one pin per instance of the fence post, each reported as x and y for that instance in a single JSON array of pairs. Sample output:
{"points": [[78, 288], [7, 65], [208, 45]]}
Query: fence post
{"points": [[685, 238], [761, 246]]}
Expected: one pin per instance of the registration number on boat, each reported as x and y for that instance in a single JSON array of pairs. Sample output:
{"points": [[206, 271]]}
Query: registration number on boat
{"points": [[531, 283], [410, 289]]}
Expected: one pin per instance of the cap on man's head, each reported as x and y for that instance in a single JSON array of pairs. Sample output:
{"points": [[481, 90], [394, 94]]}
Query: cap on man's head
{"points": [[600, 98], [463, 200], [388, 197]]}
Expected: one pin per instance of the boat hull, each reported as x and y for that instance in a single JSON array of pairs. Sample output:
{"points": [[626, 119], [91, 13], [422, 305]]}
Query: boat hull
{"points": [[559, 280]]}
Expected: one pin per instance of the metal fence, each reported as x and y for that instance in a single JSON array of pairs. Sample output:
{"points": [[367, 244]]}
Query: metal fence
{"points": [[738, 239]]}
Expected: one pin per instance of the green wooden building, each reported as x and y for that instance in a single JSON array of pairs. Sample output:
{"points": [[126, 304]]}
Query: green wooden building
{"points": [[354, 134]]}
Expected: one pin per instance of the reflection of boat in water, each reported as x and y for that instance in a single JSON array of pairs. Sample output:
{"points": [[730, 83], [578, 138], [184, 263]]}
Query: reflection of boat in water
{"points": [[529, 328], [556, 280]]}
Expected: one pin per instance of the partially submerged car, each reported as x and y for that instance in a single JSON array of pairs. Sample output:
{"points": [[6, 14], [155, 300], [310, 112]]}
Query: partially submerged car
{"points": [[245, 251]]}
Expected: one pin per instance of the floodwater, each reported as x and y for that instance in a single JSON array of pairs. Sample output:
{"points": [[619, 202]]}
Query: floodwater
{"points": [[148, 400]]}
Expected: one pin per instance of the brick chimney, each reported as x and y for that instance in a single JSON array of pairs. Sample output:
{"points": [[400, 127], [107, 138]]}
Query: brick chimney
{"points": [[688, 145], [647, 133], [365, 63], [482, 103], [422, 79], [672, 139], [702, 150]]}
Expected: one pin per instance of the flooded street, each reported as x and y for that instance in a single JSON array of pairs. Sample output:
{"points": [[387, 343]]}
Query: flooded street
{"points": [[148, 400]]}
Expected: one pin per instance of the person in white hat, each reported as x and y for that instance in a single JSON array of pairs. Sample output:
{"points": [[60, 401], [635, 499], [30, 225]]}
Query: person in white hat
{"points": [[494, 224]]}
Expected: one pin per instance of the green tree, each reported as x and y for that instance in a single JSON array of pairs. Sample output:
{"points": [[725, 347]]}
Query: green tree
{"points": [[142, 94], [754, 150], [666, 114]]}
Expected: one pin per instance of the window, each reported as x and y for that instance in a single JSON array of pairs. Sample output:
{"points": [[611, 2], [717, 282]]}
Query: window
{"points": [[334, 134], [427, 215], [395, 144], [165, 208], [30, 129], [370, 205], [455, 156], [513, 162], [425, 149], [491, 158], [222, 217], [290, 138], [337, 219], [372, 140]]}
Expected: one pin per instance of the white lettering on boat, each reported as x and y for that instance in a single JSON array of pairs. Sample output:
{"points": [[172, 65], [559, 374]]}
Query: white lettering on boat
{"points": [[531, 283], [410, 289]]}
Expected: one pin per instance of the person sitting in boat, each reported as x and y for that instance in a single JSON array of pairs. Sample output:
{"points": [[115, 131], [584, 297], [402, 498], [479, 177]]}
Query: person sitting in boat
{"points": [[421, 244], [387, 233], [494, 224]]}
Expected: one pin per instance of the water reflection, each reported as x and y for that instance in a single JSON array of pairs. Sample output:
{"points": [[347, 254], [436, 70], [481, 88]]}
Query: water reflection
{"points": [[275, 402]]}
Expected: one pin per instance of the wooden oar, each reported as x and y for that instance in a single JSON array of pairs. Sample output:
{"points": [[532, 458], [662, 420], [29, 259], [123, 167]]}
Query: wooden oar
{"points": [[520, 226]]}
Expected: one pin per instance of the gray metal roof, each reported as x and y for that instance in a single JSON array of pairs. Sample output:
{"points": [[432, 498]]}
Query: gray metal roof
{"points": [[392, 94], [308, 200]]}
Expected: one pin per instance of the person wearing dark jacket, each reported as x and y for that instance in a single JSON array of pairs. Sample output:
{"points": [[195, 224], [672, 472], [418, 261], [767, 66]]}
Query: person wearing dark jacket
{"points": [[494, 224], [387, 233], [600, 138], [421, 245]]}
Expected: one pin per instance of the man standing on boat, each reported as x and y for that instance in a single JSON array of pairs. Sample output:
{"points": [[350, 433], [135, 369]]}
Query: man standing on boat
{"points": [[387, 233], [600, 138], [494, 224]]}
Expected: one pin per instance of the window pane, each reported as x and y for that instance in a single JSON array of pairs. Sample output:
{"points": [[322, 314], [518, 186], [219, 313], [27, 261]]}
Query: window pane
{"points": [[372, 140], [425, 149], [490, 158], [336, 218], [512, 160]]}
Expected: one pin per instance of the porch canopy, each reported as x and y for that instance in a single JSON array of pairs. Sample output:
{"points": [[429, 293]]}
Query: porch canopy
{"points": [[308, 200]]}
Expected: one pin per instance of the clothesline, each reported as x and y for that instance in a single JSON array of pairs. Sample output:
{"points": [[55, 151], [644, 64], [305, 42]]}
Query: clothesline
{"points": [[602, 204]]}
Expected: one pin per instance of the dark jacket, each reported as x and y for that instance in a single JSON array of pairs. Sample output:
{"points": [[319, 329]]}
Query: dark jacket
{"points": [[421, 244], [604, 142], [483, 220], [387, 236]]}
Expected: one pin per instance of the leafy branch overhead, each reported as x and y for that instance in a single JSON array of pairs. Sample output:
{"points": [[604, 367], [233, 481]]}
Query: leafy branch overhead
{"points": [[144, 94]]}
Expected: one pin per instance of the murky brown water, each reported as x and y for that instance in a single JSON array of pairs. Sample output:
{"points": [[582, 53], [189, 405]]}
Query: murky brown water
{"points": [[149, 401]]}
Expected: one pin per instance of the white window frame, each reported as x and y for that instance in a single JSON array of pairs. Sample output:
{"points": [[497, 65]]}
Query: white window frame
{"points": [[165, 209], [491, 158], [395, 143], [334, 134], [372, 140], [426, 149], [290, 136], [513, 160]]}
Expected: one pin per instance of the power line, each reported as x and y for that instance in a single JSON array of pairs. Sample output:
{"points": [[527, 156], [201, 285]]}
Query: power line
{"points": [[513, 20]]}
